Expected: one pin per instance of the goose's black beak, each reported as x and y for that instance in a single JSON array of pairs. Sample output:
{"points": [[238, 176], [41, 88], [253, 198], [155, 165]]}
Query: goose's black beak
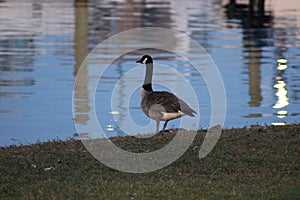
{"points": [[139, 61]]}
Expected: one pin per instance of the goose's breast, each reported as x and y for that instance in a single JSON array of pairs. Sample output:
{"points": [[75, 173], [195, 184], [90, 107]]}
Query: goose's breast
{"points": [[144, 93]]}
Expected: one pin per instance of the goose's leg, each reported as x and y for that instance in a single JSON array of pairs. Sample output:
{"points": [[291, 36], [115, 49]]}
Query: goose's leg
{"points": [[165, 125], [157, 126]]}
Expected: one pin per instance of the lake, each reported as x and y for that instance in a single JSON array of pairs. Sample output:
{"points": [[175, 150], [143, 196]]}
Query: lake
{"points": [[43, 43]]}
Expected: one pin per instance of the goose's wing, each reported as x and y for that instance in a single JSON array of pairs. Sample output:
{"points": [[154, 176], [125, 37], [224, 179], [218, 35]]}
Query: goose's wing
{"points": [[167, 102]]}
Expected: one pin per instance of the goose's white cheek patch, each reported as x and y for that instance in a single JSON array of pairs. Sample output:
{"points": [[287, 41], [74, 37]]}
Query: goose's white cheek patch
{"points": [[145, 60]]}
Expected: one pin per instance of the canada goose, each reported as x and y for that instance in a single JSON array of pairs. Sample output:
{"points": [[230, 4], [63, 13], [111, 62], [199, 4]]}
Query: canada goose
{"points": [[160, 105]]}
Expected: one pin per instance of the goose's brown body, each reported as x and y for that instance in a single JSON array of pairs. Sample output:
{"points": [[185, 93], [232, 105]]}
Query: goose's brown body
{"points": [[160, 105]]}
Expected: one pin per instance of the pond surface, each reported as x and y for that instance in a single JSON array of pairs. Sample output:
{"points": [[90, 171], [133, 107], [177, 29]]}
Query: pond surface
{"points": [[42, 45]]}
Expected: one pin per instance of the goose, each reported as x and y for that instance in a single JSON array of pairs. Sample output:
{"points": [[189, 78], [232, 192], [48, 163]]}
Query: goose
{"points": [[160, 105]]}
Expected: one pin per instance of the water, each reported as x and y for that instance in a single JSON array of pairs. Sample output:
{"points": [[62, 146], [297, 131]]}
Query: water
{"points": [[42, 45]]}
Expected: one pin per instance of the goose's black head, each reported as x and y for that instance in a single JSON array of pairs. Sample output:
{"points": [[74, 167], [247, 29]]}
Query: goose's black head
{"points": [[145, 59]]}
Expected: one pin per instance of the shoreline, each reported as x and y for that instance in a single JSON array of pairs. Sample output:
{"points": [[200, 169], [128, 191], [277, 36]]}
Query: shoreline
{"points": [[75, 136]]}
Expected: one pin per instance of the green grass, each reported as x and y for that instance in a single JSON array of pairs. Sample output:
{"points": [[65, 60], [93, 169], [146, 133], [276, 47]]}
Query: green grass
{"points": [[246, 163]]}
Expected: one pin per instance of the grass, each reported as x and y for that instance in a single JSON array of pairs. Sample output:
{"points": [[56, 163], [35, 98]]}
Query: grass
{"points": [[246, 163]]}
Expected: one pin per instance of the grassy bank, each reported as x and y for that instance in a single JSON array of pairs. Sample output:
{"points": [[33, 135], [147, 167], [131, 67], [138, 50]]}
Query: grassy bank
{"points": [[247, 163]]}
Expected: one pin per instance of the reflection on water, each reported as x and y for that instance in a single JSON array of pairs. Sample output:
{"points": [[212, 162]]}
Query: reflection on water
{"points": [[44, 43], [81, 51], [281, 93]]}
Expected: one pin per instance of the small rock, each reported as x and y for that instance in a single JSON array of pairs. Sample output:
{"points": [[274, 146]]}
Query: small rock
{"points": [[49, 168]]}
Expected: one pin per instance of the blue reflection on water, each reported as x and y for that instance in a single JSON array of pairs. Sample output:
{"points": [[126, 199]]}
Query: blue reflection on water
{"points": [[42, 46]]}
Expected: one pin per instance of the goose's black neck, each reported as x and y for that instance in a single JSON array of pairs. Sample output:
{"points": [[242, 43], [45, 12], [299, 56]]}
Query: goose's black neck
{"points": [[148, 77]]}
